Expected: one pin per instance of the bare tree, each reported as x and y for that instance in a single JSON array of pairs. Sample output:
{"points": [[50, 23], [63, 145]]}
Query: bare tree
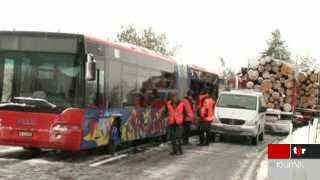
{"points": [[147, 38]]}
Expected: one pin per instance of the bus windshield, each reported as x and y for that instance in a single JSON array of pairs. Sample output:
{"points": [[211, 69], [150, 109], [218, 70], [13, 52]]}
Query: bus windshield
{"points": [[47, 78]]}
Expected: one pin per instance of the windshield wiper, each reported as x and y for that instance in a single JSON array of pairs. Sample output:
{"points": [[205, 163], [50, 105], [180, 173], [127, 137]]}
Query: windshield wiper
{"points": [[236, 106], [37, 100]]}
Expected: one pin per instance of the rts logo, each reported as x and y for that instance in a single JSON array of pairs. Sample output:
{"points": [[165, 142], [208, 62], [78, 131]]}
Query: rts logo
{"points": [[298, 150]]}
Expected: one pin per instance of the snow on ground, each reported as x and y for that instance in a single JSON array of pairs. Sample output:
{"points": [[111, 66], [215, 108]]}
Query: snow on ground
{"points": [[262, 172], [35, 162], [299, 136], [317, 138], [8, 149]]}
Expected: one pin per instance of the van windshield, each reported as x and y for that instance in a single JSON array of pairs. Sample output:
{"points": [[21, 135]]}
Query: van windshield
{"points": [[237, 101]]}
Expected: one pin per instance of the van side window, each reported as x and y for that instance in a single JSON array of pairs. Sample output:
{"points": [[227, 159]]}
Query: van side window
{"points": [[262, 101]]}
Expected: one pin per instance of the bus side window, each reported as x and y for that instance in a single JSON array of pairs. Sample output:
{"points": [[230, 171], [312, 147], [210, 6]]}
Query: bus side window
{"points": [[128, 84], [114, 92], [95, 91], [101, 96]]}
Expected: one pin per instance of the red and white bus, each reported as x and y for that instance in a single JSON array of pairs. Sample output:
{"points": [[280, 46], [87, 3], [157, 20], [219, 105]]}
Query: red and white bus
{"points": [[74, 92]]}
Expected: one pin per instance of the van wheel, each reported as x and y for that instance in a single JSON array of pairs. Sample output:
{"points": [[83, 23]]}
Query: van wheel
{"points": [[261, 136], [222, 137], [255, 140], [213, 137]]}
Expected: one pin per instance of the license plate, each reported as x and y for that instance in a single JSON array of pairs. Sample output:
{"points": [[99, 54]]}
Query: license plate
{"points": [[25, 134], [230, 128]]}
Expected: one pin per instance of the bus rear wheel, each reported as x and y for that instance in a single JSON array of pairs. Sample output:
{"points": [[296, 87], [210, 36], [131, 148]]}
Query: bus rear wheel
{"points": [[114, 140], [111, 148], [32, 150]]}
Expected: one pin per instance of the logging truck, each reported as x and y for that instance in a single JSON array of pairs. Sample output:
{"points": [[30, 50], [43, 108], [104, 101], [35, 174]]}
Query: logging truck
{"points": [[284, 87]]}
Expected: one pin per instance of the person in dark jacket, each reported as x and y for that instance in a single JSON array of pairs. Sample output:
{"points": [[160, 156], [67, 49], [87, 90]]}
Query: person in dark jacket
{"points": [[188, 116]]}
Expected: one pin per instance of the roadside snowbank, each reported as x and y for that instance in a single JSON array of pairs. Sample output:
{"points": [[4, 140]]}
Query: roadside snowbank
{"points": [[299, 136]]}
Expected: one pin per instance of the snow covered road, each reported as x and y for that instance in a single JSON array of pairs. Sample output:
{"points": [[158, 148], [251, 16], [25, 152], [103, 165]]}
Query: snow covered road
{"points": [[231, 160]]}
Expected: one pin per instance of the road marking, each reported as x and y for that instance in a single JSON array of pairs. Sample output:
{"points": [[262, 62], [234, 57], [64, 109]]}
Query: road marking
{"points": [[253, 166], [200, 151], [250, 174], [99, 158], [108, 160]]}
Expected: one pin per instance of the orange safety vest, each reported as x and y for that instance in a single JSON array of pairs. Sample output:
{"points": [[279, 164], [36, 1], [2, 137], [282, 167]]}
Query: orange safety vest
{"points": [[189, 109], [200, 100], [175, 114], [206, 111]]}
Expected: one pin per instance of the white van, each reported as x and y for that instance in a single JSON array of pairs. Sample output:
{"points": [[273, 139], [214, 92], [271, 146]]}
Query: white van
{"points": [[242, 113]]}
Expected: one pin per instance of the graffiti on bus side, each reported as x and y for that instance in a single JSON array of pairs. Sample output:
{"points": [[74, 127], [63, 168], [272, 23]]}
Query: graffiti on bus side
{"points": [[96, 128], [135, 124], [142, 123]]}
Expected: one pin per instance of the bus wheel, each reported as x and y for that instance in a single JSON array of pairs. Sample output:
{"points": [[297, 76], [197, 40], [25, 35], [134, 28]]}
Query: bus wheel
{"points": [[32, 150], [164, 138], [111, 148], [114, 140]]}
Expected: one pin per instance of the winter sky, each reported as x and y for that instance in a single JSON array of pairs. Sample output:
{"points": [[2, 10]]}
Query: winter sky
{"points": [[206, 29]]}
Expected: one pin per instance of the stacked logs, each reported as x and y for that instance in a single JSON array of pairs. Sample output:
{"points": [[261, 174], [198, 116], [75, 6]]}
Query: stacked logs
{"points": [[275, 79], [308, 83]]}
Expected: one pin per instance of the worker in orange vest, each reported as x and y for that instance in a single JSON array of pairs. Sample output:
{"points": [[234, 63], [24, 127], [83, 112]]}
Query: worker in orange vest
{"points": [[201, 96], [188, 116], [206, 118], [174, 109]]}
